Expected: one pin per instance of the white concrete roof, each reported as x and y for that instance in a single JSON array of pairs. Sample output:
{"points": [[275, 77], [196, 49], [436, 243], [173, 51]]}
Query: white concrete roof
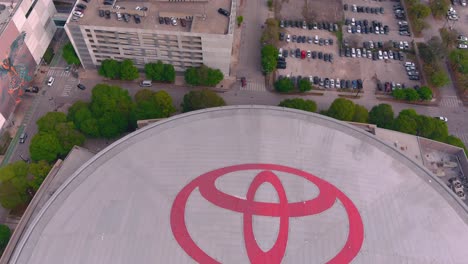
{"points": [[190, 189]]}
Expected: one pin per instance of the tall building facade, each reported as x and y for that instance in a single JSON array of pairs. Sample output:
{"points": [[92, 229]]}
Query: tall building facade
{"points": [[182, 33], [26, 29]]}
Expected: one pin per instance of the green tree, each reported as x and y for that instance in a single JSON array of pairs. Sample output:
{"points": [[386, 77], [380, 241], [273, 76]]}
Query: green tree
{"points": [[69, 54], [439, 78], [406, 122], [432, 128], [203, 76], [449, 37], [299, 103], [411, 94], [154, 71], [110, 68], [169, 73], [128, 71], [361, 115], [49, 121], [68, 137], [269, 58], [13, 179], [153, 104], [270, 34], [45, 146], [399, 94], [420, 11], [304, 85], [454, 141], [90, 127], [240, 19], [39, 170], [439, 8], [5, 234], [459, 58], [425, 93], [341, 109], [78, 113], [284, 85], [113, 109], [382, 116], [48, 55], [195, 100]]}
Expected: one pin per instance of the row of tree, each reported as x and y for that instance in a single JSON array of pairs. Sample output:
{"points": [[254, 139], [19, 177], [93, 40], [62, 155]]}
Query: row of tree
{"points": [[417, 12], [459, 63], [422, 94], [161, 72], [432, 55], [286, 85], [203, 76], [407, 121], [19, 181]]}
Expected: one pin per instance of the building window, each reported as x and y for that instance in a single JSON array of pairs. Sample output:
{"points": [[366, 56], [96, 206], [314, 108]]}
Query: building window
{"points": [[31, 8]]}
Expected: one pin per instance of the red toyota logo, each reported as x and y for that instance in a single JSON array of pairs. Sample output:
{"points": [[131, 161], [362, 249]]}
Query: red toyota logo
{"points": [[248, 207]]}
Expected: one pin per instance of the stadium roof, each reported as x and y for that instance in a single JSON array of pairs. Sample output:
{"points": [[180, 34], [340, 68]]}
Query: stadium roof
{"points": [[248, 184]]}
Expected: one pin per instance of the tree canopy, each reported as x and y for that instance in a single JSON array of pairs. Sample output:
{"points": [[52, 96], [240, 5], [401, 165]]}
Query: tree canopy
{"points": [[195, 100], [299, 103], [5, 234], [361, 115], [128, 71], [69, 54], [341, 109], [113, 109], [39, 170], [284, 85], [13, 184], [425, 93], [203, 76], [269, 58], [49, 121], [151, 104], [110, 68], [304, 85], [45, 146], [160, 72], [382, 116]]}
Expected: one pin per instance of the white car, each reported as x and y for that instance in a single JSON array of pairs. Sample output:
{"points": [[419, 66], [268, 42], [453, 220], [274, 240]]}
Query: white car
{"points": [[332, 83], [338, 85], [358, 53], [309, 54], [316, 39], [443, 118], [369, 54], [390, 55], [377, 30], [311, 79], [462, 38], [462, 46], [364, 53], [353, 53], [78, 14], [50, 81], [288, 38], [280, 53], [349, 29], [380, 55], [385, 55], [304, 25]]}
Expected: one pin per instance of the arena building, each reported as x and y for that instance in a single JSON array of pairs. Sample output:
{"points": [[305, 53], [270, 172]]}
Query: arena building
{"points": [[247, 184], [196, 33]]}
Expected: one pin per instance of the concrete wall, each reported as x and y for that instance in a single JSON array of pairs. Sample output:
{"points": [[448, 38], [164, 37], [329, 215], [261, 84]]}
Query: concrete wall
{"points": [[215, 50], [39, 26]]}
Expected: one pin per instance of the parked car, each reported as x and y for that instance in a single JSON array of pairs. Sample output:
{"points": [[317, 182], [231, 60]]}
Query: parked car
{"points": [[51, 80], [223, 12], [443, 118], [81, 86]]}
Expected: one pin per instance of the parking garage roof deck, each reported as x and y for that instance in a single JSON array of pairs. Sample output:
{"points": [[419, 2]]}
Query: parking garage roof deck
{"points": [[206, 18]]}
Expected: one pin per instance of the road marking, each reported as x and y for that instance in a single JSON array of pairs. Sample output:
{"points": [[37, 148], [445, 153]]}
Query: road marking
{"points": [[450, 101], [58, 72], [254, 86], [67, 90]]}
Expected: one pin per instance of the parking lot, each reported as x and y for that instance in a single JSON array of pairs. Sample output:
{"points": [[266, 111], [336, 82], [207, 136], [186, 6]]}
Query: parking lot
{"points": [[380, 66], [460, 24]]}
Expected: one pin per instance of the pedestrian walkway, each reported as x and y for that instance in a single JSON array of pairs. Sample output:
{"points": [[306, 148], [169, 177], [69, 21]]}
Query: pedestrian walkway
{"points": [[254, 86], [58, 72], [450, 101]]}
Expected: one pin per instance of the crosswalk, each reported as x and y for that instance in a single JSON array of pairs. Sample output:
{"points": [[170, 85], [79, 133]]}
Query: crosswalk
{"points": [[450, 101], [254, 86], [58, 72], [67, 89]]}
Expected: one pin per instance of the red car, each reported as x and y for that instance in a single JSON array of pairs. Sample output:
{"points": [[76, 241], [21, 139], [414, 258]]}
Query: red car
{"points": [[303, 54], [243, 81]]}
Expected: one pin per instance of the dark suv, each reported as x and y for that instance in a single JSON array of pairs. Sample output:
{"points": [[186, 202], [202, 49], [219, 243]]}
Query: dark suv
{"points": [[223, 12]]}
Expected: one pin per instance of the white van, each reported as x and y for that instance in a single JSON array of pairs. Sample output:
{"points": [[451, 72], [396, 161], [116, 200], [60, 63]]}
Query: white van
{"points": [[146, 83]]}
